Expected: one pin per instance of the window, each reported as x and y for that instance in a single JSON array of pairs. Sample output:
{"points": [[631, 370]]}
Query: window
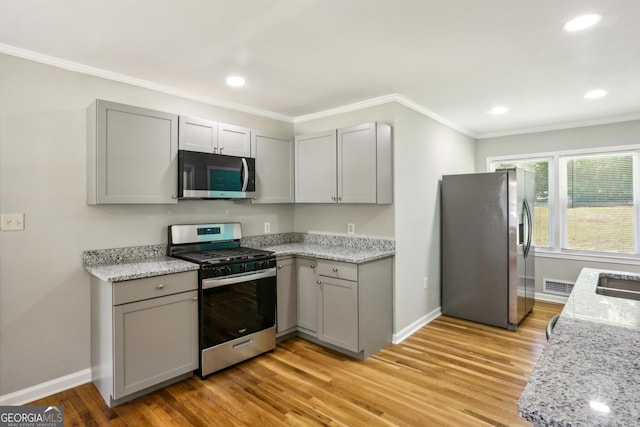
{"points": [[599, 213], [540, 168], [585, 201]]}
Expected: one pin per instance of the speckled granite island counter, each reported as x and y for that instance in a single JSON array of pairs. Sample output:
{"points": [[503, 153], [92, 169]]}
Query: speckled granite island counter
{"points": [[331, 247], [589, 371]]}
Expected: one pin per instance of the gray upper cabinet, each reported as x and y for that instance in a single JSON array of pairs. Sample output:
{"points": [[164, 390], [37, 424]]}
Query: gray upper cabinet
{"points": [[274, 168], [315, 168], [198, 135], [211, 137], [352, 165], [234, 140], [364, 164], [131, 155]]}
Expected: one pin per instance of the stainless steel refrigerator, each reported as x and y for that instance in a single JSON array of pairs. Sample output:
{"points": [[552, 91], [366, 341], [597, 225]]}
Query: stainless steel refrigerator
{"points": [[487, 252]]}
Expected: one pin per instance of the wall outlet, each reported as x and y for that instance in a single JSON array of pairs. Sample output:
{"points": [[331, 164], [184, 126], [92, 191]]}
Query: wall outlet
{"points": [[13, 222], [351, 228], [426, 283], [267, 227]]}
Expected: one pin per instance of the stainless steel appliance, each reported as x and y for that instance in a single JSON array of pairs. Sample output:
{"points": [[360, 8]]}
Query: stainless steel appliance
{"points": [[237, 293], [215, 176], [487, 252]]}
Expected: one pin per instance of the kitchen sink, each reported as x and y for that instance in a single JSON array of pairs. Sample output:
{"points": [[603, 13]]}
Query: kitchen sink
{"points": [[619, 286]]}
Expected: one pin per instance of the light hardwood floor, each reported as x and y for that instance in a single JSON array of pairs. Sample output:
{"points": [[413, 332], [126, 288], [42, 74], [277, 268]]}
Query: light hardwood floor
{"points": [[451, 372]]}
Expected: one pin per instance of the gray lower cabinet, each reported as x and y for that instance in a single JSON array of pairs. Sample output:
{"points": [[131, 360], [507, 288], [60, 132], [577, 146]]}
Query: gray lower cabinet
{"points": [[307, 295], [131, 155], [339, 313], [346, 306], [144, 334], [287, 303]]}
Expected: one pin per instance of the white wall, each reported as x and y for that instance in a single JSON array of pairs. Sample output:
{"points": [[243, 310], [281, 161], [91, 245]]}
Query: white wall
{"points": [[424, 151], [44, 292], [552, 266]]}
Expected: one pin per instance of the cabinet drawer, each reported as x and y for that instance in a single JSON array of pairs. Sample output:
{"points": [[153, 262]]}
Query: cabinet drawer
{"points": [[152, 287], [340, 270]]}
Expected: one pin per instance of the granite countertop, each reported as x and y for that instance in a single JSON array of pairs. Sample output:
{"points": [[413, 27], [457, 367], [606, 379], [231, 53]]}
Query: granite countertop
{"points": [[119, 264], [589, 371], [333, 253], [332, 247], [140, 269]]}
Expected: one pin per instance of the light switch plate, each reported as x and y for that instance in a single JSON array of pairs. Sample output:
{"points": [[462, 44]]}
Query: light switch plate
{"points": [[13, 222], [351, 228]]}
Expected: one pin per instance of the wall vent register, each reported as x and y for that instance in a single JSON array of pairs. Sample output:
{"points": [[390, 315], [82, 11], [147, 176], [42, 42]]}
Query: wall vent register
{"points": [[558, 287]]}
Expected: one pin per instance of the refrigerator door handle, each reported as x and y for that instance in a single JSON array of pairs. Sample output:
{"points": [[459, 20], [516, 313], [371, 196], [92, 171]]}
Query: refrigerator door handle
{"points": [[529, 228]]}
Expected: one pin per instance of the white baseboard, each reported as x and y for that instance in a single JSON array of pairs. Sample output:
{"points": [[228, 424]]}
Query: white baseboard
{"points": [[551, 298], [45, 389], [409, 330]]}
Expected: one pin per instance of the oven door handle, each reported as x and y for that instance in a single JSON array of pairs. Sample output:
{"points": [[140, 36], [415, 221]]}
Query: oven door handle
{"points": [[238, 278]]}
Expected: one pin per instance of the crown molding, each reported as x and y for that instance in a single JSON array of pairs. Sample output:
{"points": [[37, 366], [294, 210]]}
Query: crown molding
{"points": [[394, 97], [426, 112], [122, 78], [562, 126], [385, 99]]}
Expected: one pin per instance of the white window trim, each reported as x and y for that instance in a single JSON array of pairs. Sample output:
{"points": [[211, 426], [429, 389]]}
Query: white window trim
{"points": [[557, 216]]}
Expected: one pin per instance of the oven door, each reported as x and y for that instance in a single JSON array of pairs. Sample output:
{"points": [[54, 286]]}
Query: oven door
{"points": [[235, 306]]}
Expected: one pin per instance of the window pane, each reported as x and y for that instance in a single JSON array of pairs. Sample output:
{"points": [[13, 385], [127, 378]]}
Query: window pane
{"points": [[540, 169], [600, 207]]}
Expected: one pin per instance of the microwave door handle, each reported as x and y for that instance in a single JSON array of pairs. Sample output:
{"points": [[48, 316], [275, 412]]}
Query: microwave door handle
{"points": [[245, 179]]}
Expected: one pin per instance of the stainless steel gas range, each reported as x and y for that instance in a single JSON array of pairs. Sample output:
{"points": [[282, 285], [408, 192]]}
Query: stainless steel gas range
{"points": [[237, 293]]}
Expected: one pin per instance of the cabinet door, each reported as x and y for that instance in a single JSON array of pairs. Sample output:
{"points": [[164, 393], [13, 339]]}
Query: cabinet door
{"points": [[307, 294], [339, 313], [132, 154], [357, 164], [287, 296], [154, 340], [234, 140], [274, 168], [198, 135], [316, 168]]}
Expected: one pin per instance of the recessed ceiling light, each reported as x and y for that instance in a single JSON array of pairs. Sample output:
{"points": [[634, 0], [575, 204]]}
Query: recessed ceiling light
{"points": [[582, 22], [236, 81], [595, 94], [496, 111]]}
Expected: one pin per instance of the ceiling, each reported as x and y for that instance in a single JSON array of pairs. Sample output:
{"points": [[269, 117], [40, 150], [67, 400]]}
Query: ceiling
{"points": [[451, 59]]}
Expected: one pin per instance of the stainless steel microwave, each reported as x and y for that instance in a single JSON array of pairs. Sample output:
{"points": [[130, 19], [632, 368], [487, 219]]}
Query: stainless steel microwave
{"points": [[215, 176]]}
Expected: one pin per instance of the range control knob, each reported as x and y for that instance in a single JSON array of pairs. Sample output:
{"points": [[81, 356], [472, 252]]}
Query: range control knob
{"points": [[228, 269], [243, 267]]}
